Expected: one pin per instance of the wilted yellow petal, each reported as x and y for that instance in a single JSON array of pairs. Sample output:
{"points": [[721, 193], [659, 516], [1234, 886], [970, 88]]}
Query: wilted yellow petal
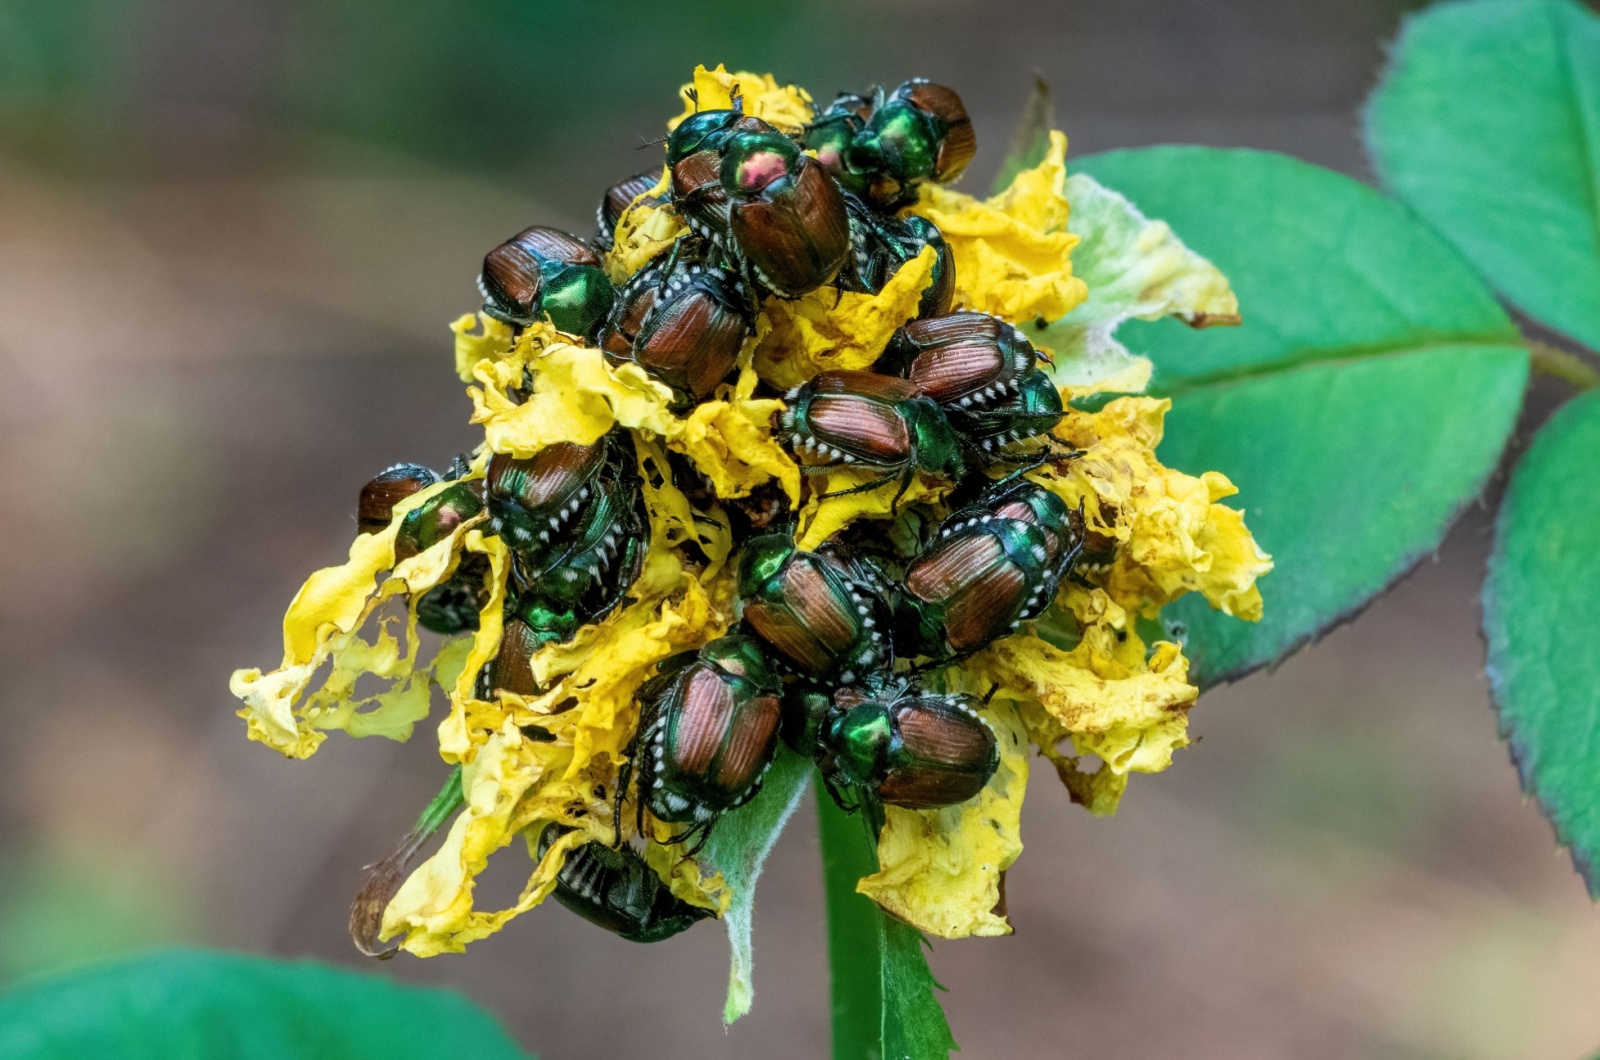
{"points": [[577, 397], [434, 906], [1113, 701], [479, 337], [644, 230], [682, 875], [786, 106], [731, 442], [829, 329], [322, 627], [939, 870], [1013, 252], [1171, 535], [830, 509]]}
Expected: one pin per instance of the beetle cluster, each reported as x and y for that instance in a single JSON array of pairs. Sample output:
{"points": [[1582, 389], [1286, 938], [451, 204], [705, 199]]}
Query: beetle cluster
{"points": [[832, 645]]}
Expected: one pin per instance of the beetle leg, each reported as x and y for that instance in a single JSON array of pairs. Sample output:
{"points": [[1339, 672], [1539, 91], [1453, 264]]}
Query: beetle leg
{"points": [[863, 488]]}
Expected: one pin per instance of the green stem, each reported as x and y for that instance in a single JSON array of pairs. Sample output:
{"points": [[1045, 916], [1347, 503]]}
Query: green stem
{"points": [[854, 947], [884, 997], [1562, 364]]}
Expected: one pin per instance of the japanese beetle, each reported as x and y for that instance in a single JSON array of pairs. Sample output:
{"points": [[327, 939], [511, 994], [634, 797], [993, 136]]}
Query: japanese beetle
{"points": [[831, 133], [375, 509], [532, 501], [982, 576], [1018, 497], [751, 192], [880, 245], [1032, 410], [683, 322], [694, 160], [616, 889], [920, 132], [707, 733], [437, 517], [817, 610], [863, 419], [964, 361], [454, 606], [618, 198], [545, 272], [785, 213], [905, 747], [583, 575]]}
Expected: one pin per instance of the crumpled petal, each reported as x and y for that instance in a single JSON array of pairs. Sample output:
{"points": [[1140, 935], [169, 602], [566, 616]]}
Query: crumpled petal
{"points": [[830, 509], [940, 870], [1172, 535], [1134, 267], [1115, 700], [643, 231], [434, 906], [576, 396], [788, 107], [1013, 252], [731, 442], [829, 329], [323, 626]]}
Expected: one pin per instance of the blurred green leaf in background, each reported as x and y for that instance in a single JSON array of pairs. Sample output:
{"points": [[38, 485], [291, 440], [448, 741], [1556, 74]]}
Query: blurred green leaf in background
{"points": [[197, 1005]]}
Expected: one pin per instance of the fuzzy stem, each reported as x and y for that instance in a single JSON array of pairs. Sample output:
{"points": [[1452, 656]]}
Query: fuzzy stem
{"points": [[854, 946]]}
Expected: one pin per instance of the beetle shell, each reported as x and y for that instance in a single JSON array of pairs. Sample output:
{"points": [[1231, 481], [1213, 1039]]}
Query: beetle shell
{"points": [[785, 213], [974, 584], [917, 750], [865, 419], [709, 734], [694, 158], [850, 417], [546, 272], [958, 142], [436, 518], [684, 325], [616, 201], [510, 670], [1031, 410], [881, 245], [823, 620], [532, 501], [962, 360], [1018, 498], [833, 130], [615, 889], [920, 132], [375, 510], [585, 573]]}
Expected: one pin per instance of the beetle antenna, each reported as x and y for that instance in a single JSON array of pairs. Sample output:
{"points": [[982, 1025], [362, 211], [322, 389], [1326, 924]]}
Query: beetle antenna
{"points": [[694, 97]]}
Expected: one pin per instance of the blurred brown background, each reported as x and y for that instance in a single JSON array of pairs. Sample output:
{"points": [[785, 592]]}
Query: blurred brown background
{"points": [[231, 236]]}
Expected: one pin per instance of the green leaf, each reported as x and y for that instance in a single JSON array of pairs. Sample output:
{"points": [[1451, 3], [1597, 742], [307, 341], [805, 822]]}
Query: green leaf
{"points": [[738, 849], [1488, 125], [1350, 472], [884, 1007], [1541, 607], [1030, 139], [1363, 402], [195, 1005]]}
